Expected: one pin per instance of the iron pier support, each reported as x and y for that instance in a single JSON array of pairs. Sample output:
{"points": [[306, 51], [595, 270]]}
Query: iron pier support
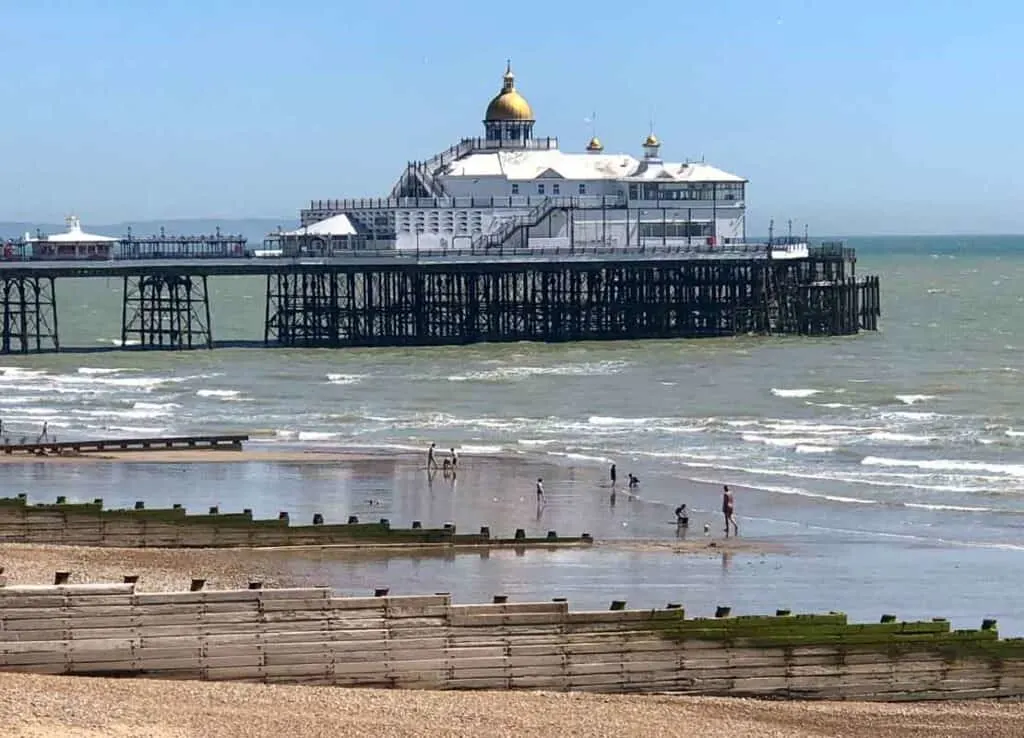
{"points": [[29, 305], [166, 311]]}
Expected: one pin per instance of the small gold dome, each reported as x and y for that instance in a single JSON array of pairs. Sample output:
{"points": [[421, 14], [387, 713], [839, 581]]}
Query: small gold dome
{"points": [[652, 140], [508, 104], [595, 144]]}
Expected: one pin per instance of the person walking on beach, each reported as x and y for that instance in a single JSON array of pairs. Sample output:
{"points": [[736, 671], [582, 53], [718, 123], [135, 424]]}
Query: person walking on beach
{"points": [[44, 436], [682, 517], [728, 510], [431, 461], [540, 491], [611, 473], [455, 459]]}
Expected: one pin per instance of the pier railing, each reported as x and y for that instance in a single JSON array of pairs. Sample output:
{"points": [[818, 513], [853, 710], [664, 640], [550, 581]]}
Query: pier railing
{"points": [[322, 209]]}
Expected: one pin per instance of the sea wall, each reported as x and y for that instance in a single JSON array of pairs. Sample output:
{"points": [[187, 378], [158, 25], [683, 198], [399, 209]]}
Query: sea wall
{"points": [[313, 636], [89, 524]]}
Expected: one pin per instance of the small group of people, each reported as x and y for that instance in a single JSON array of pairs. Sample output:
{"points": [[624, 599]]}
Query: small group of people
{"points": [[632, 481], [448, 464], [728, 512]]}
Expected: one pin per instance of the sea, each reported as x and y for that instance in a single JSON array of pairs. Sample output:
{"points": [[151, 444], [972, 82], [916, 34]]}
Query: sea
{"points": [[875, 474]]}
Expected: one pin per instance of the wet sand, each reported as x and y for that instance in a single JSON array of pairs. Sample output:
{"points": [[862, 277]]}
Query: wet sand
{"points": [[161, 569], [33, 706]]}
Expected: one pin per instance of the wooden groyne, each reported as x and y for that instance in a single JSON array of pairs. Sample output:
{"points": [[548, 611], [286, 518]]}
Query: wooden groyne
{"points": [[312, 636], [89, 524], [174, 443]]}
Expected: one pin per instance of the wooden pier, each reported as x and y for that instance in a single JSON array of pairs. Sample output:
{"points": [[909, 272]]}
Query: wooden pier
{"points": [[458, 297], [174, 443]]}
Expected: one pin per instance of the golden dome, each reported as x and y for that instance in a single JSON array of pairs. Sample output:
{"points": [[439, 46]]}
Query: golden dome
{"points": [[652, 140], [595, 144], [508, 104]]}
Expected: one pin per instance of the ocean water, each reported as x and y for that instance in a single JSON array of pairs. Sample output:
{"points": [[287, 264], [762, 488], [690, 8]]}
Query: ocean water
{"points": [[890, 465]]}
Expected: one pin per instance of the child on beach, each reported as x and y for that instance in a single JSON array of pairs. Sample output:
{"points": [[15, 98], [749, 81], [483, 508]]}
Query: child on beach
{"points": [[540, 491]]}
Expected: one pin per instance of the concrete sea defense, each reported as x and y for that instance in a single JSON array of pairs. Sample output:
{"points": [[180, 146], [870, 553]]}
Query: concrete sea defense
{"points": [[89, 524], [310, 635]]}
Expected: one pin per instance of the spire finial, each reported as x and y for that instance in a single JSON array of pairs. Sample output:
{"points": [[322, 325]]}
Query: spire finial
{"points": [[508, 66]]}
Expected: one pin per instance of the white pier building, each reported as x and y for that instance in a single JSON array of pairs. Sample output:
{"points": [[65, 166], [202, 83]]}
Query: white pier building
{"points": [[509, 188]]}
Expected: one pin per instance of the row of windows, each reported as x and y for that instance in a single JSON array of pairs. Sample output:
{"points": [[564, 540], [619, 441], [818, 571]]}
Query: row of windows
{"points": [[556, 188], [705, 191], [433, 228], [675, 230]]}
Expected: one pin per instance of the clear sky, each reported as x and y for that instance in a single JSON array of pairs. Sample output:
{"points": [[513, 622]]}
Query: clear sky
{"points": [[857, 117]]}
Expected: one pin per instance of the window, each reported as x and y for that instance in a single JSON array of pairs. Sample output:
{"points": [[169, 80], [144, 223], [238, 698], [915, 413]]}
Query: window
{"points": [[633, 192], [555, 189], [540, 189], [515, 188], [583, 188]]}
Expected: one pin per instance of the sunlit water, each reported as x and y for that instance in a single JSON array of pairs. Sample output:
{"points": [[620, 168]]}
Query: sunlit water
{"points": [[891, 465]]}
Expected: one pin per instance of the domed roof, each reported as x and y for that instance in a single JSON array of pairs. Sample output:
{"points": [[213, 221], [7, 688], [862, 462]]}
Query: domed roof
{"points": [[652, 140], [508, 104], [595, 144]]}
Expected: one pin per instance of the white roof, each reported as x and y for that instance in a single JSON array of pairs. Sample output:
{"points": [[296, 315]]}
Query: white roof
{"points": [[75, 234], [552, 163], [337, 225]]}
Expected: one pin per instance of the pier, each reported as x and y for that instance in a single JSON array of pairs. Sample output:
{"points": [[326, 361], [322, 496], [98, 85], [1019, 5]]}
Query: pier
{"points": [[452, 296]]}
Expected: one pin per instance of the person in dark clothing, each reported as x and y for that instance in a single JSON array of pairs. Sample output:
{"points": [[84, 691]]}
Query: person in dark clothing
{"points": [[682, 516], [611, 473], [729, 510]]}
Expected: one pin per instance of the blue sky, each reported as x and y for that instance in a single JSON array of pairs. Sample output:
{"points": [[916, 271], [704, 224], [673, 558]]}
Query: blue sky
{"points": [[869, 117]]}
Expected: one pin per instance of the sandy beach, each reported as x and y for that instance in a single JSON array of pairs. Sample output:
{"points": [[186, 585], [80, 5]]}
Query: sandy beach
{"points": [[33, 706]]}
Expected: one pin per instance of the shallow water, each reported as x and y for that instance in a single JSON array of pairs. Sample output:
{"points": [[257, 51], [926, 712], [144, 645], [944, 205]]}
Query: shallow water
{"points": [[898, 454]]}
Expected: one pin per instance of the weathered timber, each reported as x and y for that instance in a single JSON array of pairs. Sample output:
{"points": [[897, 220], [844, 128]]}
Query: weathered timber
{"points": [[89, 524], [311, 636], [170, 443], [439, 303]]}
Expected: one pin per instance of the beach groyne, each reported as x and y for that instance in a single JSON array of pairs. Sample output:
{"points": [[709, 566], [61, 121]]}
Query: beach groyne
{"points": [[310, 635], [90, 524]]}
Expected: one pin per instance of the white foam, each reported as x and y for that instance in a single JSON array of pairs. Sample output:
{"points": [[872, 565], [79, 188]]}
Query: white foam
{"points": [[344, 378], [133, 414], [219, 393], [810, 449], [155, 405], [955, 465], [581, 457], [789, 442], [914, 399], [535, 441], [953, 508], [16, 372], [473, 448], [798, 491], [612, 421], [795, 392], [97, 371], [317, 436], [518, 373], [907, 438]]}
